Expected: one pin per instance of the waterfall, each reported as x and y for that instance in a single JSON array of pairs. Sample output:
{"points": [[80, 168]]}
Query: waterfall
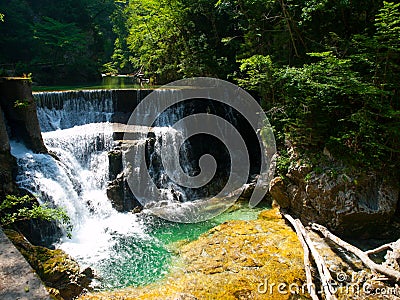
{"points": [[61, 110], [77, 131], [75, 178]]}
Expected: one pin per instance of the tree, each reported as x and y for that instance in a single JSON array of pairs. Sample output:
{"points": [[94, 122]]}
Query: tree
{"points": [[58, 42]]}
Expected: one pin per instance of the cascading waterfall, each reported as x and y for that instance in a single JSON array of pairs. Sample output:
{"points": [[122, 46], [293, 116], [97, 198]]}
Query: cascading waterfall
{"points": [[124, 248], [75, 178], [76, 181]]}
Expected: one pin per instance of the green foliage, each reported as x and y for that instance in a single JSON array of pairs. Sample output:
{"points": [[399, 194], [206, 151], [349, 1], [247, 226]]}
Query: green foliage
{"points": [[326, 72], [257, 75], [21, 103], [59, 38], [59, 42], [283, 163], [14, 209], [1, 17], [347, 103]]}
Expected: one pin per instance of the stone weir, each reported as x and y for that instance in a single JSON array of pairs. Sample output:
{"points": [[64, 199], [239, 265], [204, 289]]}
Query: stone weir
{"points": [[67, 109], [106, 105]]}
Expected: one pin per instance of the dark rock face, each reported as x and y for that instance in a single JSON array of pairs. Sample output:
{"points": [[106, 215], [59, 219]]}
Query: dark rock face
{"points": [[8, 169], [349, 203], [40, 232], [56, 269], [4, 142], [121, 196], [19, 109], [8, 164], [118, 190], [115, 164]]}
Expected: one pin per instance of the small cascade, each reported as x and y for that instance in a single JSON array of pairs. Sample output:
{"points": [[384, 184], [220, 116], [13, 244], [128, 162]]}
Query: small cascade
{"points": [[75, 177], [61, 110]]}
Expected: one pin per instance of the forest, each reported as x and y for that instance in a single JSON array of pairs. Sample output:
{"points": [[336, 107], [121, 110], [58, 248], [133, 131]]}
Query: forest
{"points": [[327, 75], [327, 72]]}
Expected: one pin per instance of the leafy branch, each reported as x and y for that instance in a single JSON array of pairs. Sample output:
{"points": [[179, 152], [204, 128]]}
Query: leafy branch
{"points": [[14, 209]]}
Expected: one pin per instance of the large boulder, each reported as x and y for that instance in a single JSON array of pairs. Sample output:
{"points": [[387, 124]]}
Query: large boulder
{"points": [[278, 192], [349, 202]]}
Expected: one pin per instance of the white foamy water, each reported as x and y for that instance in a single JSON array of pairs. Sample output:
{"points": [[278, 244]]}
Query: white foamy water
{"points": [[76, 181], [61, 110]]}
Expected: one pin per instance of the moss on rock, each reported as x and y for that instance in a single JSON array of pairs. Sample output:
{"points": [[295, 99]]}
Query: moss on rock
{"points": [[235, 260], [58, 271]]}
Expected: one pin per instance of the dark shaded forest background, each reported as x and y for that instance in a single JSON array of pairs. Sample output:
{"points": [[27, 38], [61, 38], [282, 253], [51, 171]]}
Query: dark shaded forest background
{"points": [[327, 72]]}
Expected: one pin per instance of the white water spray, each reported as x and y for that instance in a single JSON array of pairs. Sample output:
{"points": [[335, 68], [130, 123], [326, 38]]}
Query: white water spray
{"points": [[76, 181]]}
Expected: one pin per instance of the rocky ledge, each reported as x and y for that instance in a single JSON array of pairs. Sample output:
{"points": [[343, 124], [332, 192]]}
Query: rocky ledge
{"points": [[235, 260], [350, 202], [58, 271]]}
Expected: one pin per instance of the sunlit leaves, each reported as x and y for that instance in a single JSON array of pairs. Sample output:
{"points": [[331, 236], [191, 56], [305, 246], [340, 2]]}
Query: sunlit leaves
{"points": [[14, 209]]}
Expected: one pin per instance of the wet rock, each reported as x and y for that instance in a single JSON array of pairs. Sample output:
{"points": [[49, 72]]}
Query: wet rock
{"points": [[120, 195], [115, 165], [56, 269], [115, 192], [248, 190]]}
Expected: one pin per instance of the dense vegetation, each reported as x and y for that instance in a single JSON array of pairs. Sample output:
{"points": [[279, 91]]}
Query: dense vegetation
{"points": [[14, 209], [56, 41], [326, 71]]}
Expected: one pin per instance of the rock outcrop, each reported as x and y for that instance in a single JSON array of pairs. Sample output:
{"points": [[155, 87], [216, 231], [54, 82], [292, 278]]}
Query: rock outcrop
{"points": [[118, 191], [8, 164], [19, 109], [58, 271], [346, 201]]}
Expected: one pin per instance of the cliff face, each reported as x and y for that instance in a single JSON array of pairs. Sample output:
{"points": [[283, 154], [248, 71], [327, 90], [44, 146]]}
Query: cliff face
{"points": [[19, 109], [7, 161], [18, 120], [348, 201]]}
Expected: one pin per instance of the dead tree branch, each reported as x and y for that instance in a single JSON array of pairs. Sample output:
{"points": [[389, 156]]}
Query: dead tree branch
{"points": [[326, 279], [359, 253]]}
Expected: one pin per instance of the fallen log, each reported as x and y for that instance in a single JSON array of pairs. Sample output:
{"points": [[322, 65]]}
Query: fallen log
{"points": [[363, 256], [379, 249], [306, 259], [328, 284]]}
